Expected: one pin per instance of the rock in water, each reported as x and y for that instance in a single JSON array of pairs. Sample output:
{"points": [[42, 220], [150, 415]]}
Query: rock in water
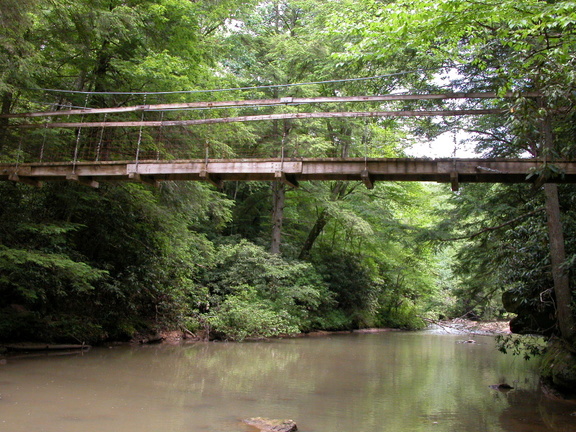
{"points": [[502, 387], [272, 425]]}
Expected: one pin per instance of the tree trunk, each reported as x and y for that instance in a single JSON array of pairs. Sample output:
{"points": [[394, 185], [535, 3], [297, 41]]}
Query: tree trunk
{"points": [[337, 193], [564, 316], [7, 99], [278, 195], [316, 230], [560, 276]]}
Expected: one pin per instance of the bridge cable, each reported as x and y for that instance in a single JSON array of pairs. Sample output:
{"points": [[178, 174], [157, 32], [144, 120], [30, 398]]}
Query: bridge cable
{"points": [[140, 136], [43, 142], [99, 147], [20, 153], [241, 88], [160, 135], [78, 135]]}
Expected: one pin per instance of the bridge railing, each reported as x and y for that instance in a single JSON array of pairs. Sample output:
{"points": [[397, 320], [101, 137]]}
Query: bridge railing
{"points": [[46, 145], [93, 145], [167, 130]]}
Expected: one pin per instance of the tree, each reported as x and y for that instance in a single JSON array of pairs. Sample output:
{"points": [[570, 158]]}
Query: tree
{"points": [[516, 46], [509, 46]]}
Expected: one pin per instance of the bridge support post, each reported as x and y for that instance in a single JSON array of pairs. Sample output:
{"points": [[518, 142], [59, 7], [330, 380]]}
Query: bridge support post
{"points": [[288, 180], [367, 179], [83, 180], [134, 176], [454, 181], [26, 180], [278, 196], [211, 178]]}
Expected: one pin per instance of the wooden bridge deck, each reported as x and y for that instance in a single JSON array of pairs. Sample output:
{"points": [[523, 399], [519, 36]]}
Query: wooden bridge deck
{"points": [[291, 171]]}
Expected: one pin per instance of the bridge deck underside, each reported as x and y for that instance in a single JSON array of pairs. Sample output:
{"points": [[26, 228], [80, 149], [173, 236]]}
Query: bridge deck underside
{"points": [[293, 170]]}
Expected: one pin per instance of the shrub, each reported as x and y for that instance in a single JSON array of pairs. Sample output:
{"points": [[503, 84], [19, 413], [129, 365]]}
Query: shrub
{"points": [[286, 292], [240, 317]]}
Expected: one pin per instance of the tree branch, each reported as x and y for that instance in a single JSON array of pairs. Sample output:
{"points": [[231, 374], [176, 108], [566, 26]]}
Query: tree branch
{"points": [[494, 228], [490, 134]]}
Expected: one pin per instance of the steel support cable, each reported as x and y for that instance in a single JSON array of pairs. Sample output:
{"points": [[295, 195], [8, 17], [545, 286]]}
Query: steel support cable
{"points": [[257, 103], [343, 80], [139, 137], [99, 147], [78, 135]]}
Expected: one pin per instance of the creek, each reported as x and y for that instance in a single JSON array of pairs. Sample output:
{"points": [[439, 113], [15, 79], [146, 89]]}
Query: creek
{"points": [[391, 381]]}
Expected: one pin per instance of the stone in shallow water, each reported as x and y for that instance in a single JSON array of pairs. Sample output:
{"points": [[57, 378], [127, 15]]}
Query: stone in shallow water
{"points": [[272, 425]]}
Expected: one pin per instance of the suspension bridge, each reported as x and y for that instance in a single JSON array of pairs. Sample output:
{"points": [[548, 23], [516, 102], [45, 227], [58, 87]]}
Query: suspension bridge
{"points": [[152, 143]]}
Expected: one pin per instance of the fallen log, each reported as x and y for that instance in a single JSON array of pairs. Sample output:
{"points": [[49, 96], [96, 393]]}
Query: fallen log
{"points": [[44, 347], [272, 425]]}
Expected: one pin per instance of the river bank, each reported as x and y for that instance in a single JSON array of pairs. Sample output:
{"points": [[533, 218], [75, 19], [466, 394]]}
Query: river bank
{"points": [[455, 326], [182, 337]]}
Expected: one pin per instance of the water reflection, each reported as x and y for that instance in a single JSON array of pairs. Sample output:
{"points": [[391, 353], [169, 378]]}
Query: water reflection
{"points": [[533, 412], [375, 382]]}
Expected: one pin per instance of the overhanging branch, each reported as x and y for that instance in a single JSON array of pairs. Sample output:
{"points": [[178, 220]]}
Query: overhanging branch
{"points": [[494, 228]]}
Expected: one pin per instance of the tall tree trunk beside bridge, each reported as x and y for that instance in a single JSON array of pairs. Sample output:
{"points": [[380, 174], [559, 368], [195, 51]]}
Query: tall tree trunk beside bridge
{"points": [[5, 109], [278, 198], [560, 276], [564, 313]]}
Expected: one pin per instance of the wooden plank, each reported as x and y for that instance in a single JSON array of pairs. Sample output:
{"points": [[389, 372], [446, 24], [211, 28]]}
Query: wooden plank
{"points": [[248, 166], [94, 170], [267, 102], [281, 116]]}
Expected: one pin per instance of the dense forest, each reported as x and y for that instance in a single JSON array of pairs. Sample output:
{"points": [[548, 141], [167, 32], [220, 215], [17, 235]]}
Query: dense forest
{"points": [[81, 264]]}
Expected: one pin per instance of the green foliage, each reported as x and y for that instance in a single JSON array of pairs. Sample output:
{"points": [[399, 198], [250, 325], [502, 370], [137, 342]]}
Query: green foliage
{"points": [[370, 293], [353, 284], [333, 320], [245, 271], [94, 264], [244, 315], [527, 346], [114, 260], [19, 325], [400, 313], [39, 277]]}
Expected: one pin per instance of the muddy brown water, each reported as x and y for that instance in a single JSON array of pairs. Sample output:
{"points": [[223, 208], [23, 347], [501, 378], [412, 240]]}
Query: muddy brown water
{"points": [[397, 381]]}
